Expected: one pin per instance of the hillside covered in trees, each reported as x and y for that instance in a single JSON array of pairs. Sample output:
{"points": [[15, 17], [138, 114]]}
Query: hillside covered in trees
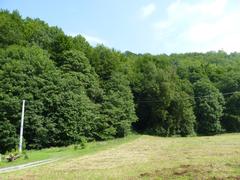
{"points": [[74, 91]]}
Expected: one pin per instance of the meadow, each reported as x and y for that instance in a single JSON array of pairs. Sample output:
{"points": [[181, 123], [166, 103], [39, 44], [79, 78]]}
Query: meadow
{"points": [[145, 157]]}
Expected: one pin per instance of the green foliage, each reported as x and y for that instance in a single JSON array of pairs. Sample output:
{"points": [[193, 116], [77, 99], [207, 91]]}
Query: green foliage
{"points": [[75, 92], [117, 110], [209, 107], [182, 115], [11, 28], [37, 32], [80, 44], [105, 61], [163, 107], [25, 155], [8, 137], [81, 144], [231, 119]]}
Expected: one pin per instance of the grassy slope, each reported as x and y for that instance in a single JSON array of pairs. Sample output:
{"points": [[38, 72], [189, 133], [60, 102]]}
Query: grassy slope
{"points": [[150, 158], [67, 152]]}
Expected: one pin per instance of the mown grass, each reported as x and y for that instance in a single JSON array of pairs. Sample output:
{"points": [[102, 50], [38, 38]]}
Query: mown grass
{"points": [[67, 152], [148, 157]]}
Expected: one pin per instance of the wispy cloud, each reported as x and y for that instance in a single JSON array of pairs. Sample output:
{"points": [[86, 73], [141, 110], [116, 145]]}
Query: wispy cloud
{"points": [[201, 26], [148, 10], [93, 40]]}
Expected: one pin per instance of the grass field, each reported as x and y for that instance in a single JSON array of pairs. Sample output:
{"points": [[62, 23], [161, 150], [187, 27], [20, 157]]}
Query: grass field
{"points": [[147, 157], [67, 152]]}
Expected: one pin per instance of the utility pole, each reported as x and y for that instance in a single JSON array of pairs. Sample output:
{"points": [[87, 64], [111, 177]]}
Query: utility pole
{"points": [[21, 128]]}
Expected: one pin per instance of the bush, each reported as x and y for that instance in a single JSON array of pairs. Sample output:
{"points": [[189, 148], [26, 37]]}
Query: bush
{"points": [[25, 155], [12, 156], [82, 143]]}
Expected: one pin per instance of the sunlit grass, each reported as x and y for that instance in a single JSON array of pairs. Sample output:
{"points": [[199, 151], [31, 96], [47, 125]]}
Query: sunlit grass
{"points": [[67, 152], [148, 157]]}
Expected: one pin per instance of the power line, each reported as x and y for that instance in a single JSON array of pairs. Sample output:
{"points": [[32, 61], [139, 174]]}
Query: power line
{"points": [[194, 97], [31, 102]]}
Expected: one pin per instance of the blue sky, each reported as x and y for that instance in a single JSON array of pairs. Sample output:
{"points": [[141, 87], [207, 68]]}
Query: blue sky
{"points": [[141, 26]]}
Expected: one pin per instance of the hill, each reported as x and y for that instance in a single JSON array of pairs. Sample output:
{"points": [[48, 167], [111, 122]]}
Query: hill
{"points": [[75, 92]]}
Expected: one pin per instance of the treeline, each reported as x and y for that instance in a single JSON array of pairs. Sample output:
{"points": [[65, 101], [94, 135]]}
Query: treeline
{"points": [[74, 91]]}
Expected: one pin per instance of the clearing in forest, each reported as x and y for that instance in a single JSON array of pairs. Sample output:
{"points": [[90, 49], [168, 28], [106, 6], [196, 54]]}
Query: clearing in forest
{"points": [[149, 157]]}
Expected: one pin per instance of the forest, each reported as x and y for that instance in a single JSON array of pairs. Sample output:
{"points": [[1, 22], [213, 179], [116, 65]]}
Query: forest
{"points": [[75, 92]]}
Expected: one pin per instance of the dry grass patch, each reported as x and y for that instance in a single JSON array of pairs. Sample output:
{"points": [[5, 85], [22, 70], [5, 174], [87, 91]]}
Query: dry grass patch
{"points": [[151, 157]]}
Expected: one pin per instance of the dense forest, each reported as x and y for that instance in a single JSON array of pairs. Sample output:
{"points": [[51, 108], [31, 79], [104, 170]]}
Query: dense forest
{"points": [[77, 92]]}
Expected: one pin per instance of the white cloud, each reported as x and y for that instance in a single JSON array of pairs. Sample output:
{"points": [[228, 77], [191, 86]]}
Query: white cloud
{"points": [[93, 40], [201, 25], [148, 10], [207, 7]]}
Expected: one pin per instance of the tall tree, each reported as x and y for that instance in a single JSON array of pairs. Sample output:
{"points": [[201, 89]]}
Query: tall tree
{"points": [[209, 107], [231, 118]]}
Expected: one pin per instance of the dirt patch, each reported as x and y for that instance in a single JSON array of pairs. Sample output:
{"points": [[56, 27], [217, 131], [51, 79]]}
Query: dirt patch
{"points": [[234, 177], [225, 178], [185, 166], [146, 174], [216, 178], [181, 172], [191, 169], [156, 173]]}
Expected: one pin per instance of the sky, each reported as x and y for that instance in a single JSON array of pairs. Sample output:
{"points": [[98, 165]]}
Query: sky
{"points": [[142, 26]]}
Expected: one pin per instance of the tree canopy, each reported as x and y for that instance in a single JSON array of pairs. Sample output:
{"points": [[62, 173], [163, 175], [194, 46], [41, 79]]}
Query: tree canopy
{"points": [[74, 91]]}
